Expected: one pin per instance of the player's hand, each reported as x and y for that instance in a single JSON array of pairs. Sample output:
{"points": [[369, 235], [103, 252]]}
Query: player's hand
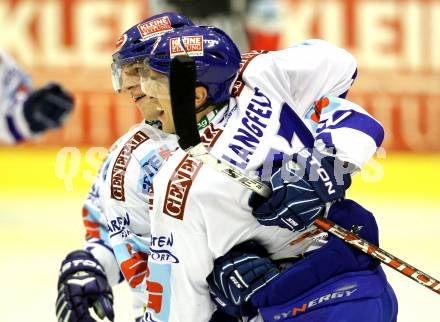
{"points": [[82, 284], [300, 190], [237, 275], [47, 107]]}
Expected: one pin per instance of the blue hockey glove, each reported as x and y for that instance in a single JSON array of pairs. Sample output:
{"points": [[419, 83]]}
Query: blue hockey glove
{"points": [[82, 284], [300, 190], [237, 275], [47, 107]]}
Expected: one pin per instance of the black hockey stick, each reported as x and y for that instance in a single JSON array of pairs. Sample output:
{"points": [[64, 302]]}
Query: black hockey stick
{"points": [[182, 89], [184, 116]]}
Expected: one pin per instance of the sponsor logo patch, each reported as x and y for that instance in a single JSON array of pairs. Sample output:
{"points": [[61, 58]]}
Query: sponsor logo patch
{"points": [[192, 46], [118, 225], [179, 186], [120, 166], [155, 27], [157, 251]]}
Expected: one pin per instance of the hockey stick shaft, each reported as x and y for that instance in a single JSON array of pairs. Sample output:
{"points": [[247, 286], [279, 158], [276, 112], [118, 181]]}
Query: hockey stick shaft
{"points": [[379, 254], [200, 152]]}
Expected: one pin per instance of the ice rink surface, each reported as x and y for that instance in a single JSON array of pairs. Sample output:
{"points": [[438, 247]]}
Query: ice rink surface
{"points": [[40, 221]]}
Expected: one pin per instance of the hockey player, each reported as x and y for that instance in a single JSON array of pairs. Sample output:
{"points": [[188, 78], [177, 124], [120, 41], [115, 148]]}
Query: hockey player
{"points": [[129, 250], [25, 112], [86, 275], [197, 214]]}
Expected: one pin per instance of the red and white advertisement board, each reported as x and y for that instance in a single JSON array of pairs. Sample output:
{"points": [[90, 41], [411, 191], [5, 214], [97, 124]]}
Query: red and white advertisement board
{"points": [[396, 43]]}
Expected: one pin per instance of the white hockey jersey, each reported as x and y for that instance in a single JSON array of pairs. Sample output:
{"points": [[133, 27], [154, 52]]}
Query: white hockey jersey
{"points": [[102, 216], [133, 163], [278, 104], [95, 223], [15, 87]]}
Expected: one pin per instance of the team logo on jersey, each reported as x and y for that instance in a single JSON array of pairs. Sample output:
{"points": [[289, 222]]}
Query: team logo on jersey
{"points": [[121, 163], [121, 41], [187, 45], [179, 186], [155, 27]]}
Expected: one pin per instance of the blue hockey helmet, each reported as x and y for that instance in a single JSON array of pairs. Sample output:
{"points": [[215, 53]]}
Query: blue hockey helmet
{"points": [[136, 43], [216, 56]]}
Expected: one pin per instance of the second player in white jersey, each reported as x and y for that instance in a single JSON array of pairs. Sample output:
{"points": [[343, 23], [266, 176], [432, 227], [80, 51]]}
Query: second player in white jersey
{"points": [[116, 220], [197, 213], [129, 178]]}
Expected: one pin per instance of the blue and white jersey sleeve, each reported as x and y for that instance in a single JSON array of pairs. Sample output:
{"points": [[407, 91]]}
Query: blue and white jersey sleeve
{"points": [[97, 237], [15, 87], [311, 74], [345, 129], [284, 92], [337, 125], [128, 182], [95, 224], [302, 74]]}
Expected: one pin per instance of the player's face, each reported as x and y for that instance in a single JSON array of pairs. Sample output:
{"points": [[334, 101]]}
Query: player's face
{"points": [[131, 84], [155, 85]]}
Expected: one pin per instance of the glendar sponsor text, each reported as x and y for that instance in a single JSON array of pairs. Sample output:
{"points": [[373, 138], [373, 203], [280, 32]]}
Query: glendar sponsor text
{"points": [[179, 186], [120, 166]]}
